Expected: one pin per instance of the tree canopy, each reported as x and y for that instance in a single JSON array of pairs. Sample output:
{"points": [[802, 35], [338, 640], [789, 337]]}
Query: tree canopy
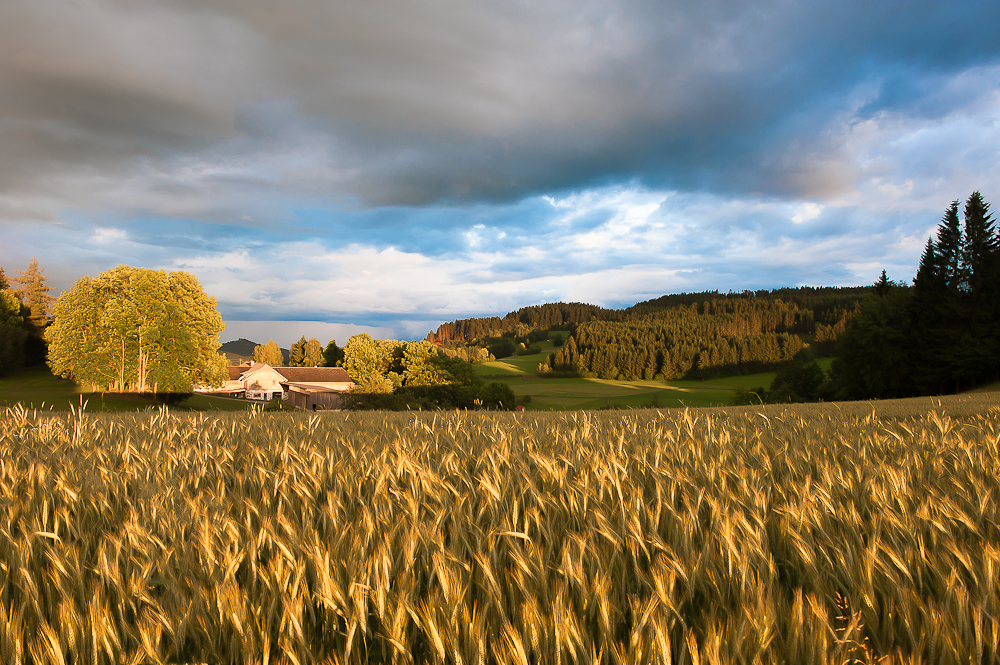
{"points": [[306, 353], [12, 332], [269, 354], [133, 329]]}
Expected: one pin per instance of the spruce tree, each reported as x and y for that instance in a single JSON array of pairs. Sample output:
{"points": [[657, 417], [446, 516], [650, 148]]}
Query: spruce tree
{"points": [[927, 277], [979, 243], [949, 248], [333, 355]]}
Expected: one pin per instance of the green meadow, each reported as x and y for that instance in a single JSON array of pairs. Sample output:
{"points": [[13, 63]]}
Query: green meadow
{"points": [[562, 394]]}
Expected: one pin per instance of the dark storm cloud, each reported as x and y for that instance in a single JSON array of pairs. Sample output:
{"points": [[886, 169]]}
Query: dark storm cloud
{"points": [[385, 102]]}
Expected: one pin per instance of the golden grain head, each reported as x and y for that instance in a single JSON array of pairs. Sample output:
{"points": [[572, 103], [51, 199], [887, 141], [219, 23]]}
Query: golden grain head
{"points": [[826, 534]]}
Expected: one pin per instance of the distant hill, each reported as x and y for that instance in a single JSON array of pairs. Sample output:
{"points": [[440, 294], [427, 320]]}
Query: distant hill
{"points": [[242, 349], [694, 335], [827, 305]]}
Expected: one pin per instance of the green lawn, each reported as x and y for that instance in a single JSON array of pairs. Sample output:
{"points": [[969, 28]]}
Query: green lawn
{"points": [[516, 365], [521, 373], [37, 388]]}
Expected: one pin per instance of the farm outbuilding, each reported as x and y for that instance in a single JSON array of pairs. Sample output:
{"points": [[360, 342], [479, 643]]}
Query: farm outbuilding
{"points": [[311, 388], [315, 388]]}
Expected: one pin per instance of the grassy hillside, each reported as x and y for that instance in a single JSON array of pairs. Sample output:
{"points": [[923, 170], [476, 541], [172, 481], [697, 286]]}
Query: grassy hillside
{"points": [[777, 535], [561, 394]]}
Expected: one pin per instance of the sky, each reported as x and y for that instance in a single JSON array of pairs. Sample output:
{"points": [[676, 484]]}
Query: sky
{"points": [[327, 168]]}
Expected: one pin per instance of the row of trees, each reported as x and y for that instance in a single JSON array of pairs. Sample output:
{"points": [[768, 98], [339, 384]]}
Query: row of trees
{"points": [[521, 323], [132, 329], [392, 374], [823, 305], [25, 305], [304, 353], [942, 334], [704, 338]]}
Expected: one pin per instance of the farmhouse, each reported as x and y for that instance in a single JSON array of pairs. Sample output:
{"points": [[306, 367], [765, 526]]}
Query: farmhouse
{"points": [[315, 388], [312, 388]]}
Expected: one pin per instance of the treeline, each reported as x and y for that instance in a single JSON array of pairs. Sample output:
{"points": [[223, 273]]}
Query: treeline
{"points": [[706, 339], [25, 305], [941, 335], [396, 375], [703, 334], [827, 303], [552, 316]]}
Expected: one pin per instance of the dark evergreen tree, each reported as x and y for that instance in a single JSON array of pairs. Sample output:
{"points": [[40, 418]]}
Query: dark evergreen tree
{"points": [[944, 334], [949, 248], [333, 355], [979, 244], [874, 358]]}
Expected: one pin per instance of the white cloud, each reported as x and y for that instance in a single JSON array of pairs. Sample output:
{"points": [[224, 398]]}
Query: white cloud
{"points": [[807, 211], [104, 236]]}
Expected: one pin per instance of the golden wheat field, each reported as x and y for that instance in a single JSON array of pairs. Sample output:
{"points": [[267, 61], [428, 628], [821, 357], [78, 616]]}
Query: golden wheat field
{"points": [[741, 536]]}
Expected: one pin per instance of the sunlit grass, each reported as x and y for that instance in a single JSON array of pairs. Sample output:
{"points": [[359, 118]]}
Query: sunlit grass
{"points": [[822, 533]]}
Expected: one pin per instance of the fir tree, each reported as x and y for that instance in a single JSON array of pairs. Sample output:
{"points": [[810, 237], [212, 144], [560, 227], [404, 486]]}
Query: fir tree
{"points": [[949, 248], [333, 355], [979, 243]]}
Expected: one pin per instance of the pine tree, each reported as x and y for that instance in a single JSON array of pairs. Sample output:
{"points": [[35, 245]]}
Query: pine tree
{"points": [[333, 355], [979, 243], [4, 284], [34, 293], [927, 279], [949, 248]]}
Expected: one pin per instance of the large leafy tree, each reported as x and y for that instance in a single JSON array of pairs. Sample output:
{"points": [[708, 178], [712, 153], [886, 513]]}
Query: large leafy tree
{"points": [[133, 329], [269, 354], [368, 362], [312, 353]]}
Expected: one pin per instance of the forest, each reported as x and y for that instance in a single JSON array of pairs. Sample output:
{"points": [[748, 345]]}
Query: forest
{"points": [[694, 335]]}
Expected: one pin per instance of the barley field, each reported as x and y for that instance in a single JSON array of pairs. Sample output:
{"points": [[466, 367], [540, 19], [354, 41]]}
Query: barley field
{"points": [[778, 535]]}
